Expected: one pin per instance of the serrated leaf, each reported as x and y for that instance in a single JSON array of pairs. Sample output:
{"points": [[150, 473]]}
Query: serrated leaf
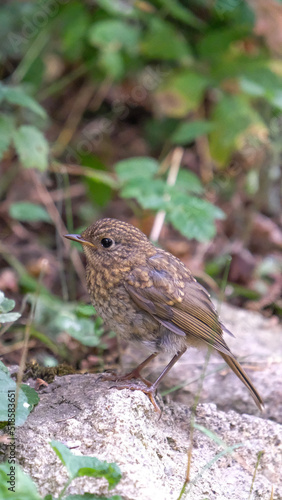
{"points": [[24, 489], [115, 34], [17, 95], [188, 131], [187, 182], [136, 168], [79, 466], [9, 317], [149, 193], [29, 212], [6, 132], [32, 147], [193, 217]]}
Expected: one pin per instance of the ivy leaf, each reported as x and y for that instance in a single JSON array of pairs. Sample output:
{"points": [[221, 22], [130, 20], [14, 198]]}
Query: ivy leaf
{"points": [[31, 147]]}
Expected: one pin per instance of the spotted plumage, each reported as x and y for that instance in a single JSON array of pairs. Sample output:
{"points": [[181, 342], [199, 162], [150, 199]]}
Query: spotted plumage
{"points": [[146, 294]]}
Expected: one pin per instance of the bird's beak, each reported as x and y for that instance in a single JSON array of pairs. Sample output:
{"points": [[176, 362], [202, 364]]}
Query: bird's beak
{"points": [[79, 239]]}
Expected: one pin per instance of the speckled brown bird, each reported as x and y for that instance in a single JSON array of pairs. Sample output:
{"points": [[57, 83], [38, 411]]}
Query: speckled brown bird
{"points": [[146, 294]]}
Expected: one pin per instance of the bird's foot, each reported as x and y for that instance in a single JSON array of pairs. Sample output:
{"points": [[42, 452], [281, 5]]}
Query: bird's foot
{"points": [[112, 376], [147, 388]]}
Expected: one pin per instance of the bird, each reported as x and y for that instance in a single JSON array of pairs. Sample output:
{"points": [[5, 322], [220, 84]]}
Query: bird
{"points": [[145, 294]]}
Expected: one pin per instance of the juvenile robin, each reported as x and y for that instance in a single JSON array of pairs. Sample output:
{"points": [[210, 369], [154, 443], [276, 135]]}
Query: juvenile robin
{"points": [[146, 294]]}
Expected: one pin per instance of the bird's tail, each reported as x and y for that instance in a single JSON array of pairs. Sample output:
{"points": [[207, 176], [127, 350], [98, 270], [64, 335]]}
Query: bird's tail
{"points": [[238, 370]]}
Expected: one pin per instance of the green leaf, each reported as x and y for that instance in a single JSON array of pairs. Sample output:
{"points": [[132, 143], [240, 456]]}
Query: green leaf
{"points": [[84, 330], [114, 34], [79, 466], [85, 310], [136, 168], [231, 117], [9, 317], [181, 93], [17, 95], [112, 63], [31, 147], [118, 7], [6, 305], [163, 41], [4, 368], [24, 489], [23, 408], [187, 132], [193, 217], [28, 212], [149, 193], [180, 13], [187, 182], [31, 394], [6, 132]]}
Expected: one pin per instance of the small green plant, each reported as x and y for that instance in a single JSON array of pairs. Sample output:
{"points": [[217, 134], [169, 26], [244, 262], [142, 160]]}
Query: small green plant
{"points": [[77, 466], [10, 413], [53, 316], [187, 211], [6, 306], [28, 141]]}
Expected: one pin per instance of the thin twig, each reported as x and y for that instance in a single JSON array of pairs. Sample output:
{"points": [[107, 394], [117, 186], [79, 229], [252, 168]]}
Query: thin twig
{"points": [[81, 102], [58, 222], [176, 158]]}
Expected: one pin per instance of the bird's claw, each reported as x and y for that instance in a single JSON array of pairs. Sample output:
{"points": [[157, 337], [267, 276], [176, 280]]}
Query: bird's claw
{"points": [[149, 391]]}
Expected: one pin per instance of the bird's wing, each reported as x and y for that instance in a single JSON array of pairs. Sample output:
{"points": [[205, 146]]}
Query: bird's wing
{"points": [[178, 302]]}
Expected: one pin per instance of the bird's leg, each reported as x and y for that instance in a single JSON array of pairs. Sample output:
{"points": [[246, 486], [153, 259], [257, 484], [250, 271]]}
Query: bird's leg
{"points": [[151, 389], [136, 373]]}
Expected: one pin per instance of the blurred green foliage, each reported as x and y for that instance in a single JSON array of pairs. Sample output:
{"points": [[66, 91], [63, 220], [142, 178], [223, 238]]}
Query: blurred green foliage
{"points": [[202, 67]]}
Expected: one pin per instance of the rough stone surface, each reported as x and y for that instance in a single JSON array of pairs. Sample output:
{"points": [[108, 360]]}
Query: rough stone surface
{"points": [[122, 427]]}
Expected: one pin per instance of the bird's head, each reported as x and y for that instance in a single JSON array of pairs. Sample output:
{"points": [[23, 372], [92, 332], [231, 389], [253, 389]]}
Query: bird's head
{"points": [[113, 242]]}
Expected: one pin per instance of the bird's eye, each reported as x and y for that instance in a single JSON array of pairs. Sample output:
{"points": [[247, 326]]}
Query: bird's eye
{"points": [[106, 242]]}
